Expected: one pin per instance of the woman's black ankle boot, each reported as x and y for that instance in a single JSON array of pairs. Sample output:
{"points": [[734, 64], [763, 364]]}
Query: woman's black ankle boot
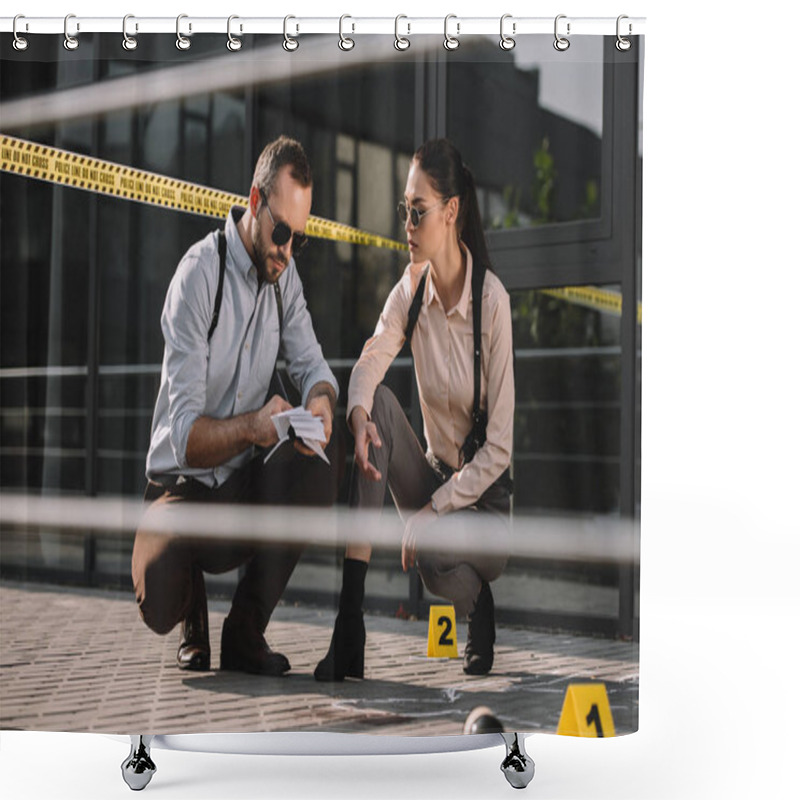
{"points": [[479, 652], [345, 656]]}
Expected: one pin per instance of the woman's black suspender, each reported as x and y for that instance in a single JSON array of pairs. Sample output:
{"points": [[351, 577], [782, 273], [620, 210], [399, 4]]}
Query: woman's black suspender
{"points": [[476, 436]]}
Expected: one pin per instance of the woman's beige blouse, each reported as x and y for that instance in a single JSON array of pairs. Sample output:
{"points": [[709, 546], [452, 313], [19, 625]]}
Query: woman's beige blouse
{"points": [[443, 358]]}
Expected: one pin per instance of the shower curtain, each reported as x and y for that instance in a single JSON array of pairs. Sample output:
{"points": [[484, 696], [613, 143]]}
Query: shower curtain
{"points": [[115, 161]]}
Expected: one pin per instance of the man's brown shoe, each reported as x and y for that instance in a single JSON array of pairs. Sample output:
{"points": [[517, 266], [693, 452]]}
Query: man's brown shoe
{"points": [[194, 651]]}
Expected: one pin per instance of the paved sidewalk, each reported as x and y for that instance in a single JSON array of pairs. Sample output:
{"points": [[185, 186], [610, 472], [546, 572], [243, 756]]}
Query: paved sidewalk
{"points": [[82, 660]]}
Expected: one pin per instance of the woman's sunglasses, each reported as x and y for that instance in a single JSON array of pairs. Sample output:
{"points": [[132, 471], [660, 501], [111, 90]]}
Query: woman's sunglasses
{"points": [[404, 212], [281, 232]]}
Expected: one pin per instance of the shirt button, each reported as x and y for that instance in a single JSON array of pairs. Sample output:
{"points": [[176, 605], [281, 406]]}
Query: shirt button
{"points": [[239, 396]]}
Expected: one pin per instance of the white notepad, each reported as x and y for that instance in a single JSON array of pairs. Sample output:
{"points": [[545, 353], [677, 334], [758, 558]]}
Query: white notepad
{"points": [[308, 428]]}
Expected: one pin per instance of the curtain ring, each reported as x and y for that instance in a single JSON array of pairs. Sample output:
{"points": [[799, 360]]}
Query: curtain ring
{"points": [[400, 42], [345, 43], [506, 42], [70, 42], [289, 44], [451, 42], [622, 44], [233, 43], [128, 42], [182, 43], [20, 42], [561, 43]]}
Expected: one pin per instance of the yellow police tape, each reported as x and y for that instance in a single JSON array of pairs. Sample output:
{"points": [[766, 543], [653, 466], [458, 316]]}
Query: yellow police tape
{"points": [[95, 175], [591, 297]]}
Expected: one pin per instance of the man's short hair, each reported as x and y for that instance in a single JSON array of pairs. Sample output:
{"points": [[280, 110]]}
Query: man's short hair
{"points": [[276, 155]]}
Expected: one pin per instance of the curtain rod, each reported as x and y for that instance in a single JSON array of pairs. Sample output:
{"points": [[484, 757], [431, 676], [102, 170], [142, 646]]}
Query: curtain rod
{"points": [[74, 25]]}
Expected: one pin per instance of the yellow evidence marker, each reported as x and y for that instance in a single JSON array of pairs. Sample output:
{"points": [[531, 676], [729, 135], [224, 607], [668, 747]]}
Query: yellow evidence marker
{"points": [[586, 711], [442, 632]]}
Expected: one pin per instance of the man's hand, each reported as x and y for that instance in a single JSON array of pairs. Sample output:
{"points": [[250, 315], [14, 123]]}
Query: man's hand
{"points": [[264, 433], [416, 528], [212, 441], [320, 402], [365, 433]]}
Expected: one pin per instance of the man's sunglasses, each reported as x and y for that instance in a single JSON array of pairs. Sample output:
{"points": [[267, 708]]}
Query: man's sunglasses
{"points": [[281, 232], [404, 212]]}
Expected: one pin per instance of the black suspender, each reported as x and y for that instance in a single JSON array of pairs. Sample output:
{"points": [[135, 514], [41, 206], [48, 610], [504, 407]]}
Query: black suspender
{"points": [[279, 301], [478, 274], [416, 305], [276, 385], [477, 436], [222, 247]]}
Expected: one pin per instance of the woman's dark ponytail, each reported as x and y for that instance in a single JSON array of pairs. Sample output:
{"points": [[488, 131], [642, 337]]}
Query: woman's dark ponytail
{"points": [[450, 177], [471, 226]]}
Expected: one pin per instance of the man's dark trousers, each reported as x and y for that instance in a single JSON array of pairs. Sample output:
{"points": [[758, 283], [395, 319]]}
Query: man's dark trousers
{"points": [[162, 564]]}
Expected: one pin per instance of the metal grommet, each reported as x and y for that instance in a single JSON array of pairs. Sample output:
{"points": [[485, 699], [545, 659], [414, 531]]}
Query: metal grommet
{"points": [[70, 42], [561, 43], [622, 44], [400, 42], [289, 44], [20, 42], [233, 43], [451, 42], [128, 42], [345, 43], [506, 42], [182, 43]]}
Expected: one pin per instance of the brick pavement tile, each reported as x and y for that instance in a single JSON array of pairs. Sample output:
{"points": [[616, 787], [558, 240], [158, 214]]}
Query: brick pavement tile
{"points": [[83, 661]]}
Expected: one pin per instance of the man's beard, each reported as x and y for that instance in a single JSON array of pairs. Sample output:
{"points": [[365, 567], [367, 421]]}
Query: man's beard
{"points": [[267, 269]]}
